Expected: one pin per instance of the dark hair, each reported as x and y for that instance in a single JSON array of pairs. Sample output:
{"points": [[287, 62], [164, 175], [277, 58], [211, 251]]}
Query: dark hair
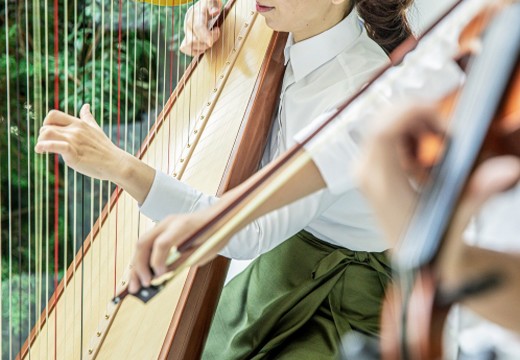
{"points": [[385, 21]]}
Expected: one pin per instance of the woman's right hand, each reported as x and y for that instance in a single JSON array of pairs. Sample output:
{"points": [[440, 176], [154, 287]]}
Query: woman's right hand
{"points": [[86, 149], [198, 38], [81, 142]]}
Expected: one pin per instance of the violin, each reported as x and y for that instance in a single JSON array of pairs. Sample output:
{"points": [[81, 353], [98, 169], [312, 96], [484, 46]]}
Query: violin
{"points": [[485, 123]]}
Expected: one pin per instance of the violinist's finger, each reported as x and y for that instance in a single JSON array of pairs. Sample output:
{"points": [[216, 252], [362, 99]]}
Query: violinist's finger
{"points": [[492, 177]]}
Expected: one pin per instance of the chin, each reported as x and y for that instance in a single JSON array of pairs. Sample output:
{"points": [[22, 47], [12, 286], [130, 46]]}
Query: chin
{"points": [[272, 24]]}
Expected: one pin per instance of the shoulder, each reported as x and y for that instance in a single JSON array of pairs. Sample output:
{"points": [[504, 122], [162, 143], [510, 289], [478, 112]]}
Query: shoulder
{"points": [[361, 60]]}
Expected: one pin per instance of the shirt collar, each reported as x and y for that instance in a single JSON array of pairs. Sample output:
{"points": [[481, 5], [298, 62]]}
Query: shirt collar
{"points": [[309, 54]]}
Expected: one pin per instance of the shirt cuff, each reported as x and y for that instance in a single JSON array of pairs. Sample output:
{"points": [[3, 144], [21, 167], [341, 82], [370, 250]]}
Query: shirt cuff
{"points": [[168, 196]]}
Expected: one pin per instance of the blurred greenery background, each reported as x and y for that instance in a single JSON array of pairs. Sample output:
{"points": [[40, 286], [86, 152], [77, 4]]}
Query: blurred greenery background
{"points": [[88, 50]]}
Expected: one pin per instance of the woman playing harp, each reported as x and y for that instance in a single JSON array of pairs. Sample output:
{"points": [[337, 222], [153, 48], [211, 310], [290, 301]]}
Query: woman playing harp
{"points": [[327, 39], [385, 153]]}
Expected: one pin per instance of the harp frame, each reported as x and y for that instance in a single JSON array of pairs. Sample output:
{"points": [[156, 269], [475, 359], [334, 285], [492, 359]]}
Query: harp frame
{"points": [[199, 297]]}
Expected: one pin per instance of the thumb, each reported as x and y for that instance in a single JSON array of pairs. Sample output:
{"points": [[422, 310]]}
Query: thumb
{"points": [[214, 7], [86, 115], [492, 177]]}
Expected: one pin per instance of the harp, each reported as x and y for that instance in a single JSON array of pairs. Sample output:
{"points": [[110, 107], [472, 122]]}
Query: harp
{"points": [[209, 134]]}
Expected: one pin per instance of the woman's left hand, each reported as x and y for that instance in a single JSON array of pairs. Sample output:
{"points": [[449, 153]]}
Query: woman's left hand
{"points": [[153, 248]]}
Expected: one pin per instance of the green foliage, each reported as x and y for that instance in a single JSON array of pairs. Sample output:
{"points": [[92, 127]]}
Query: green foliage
{"points": [[88, 72]]}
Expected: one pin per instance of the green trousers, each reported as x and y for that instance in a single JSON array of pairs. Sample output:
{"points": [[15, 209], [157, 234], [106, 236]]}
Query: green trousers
{"points": [[297, 301]]}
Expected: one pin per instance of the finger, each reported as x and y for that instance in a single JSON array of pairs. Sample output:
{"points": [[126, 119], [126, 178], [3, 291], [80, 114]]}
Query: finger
{"points": [[59, 118], [56, 147], [492, 177], [161, 251], [214, 7], [142, 254], [215, 35], [200, 26], [193, 50], [52, 132], [86, 115], [134, 285]]}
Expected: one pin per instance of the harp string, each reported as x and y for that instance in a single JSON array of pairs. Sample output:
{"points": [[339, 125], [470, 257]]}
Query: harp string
{"points": [[9, 189], [65, 171], [53, 220], [56, 176]]}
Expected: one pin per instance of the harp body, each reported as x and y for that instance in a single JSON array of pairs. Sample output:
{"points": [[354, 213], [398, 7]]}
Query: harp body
{"points": [[212, 145]]}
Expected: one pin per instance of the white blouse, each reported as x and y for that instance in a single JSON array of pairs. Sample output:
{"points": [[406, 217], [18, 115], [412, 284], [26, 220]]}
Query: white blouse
{"points": [[426, 75], [321, 72]]}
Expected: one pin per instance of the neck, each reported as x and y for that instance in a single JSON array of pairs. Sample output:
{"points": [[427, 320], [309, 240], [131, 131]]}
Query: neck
{"points": [[318, 27]]}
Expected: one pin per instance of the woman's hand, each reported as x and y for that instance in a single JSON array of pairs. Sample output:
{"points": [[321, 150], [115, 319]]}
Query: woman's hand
{"points": [[391, 162], [198, 38], [81, 142], [153, 248], [85, 148]]}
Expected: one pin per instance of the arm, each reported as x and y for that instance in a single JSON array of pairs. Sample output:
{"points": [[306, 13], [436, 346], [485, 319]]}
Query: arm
{"points": [[153, 248], [390, 158]]}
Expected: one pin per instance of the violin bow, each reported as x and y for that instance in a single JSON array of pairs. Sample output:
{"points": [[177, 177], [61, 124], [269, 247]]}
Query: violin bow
{"points": [[188, 253]]}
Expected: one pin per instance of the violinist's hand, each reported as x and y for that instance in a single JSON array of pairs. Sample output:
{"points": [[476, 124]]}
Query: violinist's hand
{"points": [[85, 148], [391, 162], [198, 38], [457, 261], [153, 248]]}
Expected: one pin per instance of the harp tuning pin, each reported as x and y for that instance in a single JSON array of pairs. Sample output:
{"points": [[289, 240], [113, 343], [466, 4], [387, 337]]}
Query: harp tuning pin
{"points": [[98, 333], [107, 316], [202, 118], [234, 50], [90, 351], [208, 104], [174, 174], [188, 146], [215, 90], [252, 13], [195, 131], [240, 38], [182, 160], [246, 24], [123, 283], [227, 62], [222, 76]]}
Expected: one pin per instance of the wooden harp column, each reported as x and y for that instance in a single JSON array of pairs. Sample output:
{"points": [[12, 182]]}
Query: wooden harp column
{"points": [[224, 147]]}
